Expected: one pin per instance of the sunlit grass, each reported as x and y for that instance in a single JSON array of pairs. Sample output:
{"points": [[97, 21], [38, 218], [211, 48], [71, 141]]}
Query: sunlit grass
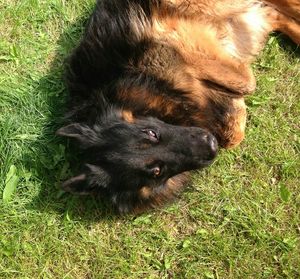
{"points": [[240, 218]]}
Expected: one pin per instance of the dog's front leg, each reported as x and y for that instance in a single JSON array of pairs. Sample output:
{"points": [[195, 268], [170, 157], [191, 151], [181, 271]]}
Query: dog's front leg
{"points": [[288, 7], [235, 77]]}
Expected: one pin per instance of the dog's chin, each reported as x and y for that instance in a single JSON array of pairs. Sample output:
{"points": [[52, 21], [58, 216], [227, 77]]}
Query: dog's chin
{"points": [[199, 162], [205, 163]]}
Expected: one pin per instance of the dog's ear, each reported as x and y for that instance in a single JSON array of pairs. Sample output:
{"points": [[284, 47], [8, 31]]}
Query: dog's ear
{"points": [[89, 181], [236, 78], [76, 185], [83, 133]]}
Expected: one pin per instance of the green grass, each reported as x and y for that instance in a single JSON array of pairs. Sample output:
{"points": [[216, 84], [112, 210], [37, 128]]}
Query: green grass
{"points": [[240, 218]]}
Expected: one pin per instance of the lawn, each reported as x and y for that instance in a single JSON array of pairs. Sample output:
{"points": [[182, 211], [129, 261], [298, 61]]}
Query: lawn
{"points": [[239, 218]]}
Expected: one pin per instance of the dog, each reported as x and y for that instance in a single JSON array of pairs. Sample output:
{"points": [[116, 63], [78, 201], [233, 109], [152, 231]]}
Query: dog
{"points": [[156, 85]]}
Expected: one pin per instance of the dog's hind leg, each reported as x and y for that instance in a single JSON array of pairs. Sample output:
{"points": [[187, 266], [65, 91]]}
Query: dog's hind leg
{"points": [[289, 27], [284, 23]]}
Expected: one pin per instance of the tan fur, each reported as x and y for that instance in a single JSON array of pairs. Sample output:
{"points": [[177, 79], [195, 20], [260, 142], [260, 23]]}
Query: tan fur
{"points": [[151, 199], [205, 48], [145, 192], [128, 116]]}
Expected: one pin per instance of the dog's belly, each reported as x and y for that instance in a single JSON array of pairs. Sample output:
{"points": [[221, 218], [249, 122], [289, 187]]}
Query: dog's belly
{"points": [[247, 32]]}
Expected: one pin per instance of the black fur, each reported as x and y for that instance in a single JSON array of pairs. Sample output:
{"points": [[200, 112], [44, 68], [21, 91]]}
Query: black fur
{"points": [[107, 46]]}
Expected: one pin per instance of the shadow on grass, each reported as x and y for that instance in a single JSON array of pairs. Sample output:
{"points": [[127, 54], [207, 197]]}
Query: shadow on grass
{"points": [[50, 158], [288, 45]]}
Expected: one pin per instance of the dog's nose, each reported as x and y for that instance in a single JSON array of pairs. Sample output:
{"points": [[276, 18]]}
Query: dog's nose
{"points": [[212, 143]]}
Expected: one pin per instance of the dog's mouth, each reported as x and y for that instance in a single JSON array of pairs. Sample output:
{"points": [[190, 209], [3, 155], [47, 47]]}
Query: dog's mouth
{"points": [[206, 163]]}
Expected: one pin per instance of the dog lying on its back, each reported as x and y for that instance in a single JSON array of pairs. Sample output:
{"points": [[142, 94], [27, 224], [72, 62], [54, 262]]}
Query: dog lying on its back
{"points": [[154, 83]]}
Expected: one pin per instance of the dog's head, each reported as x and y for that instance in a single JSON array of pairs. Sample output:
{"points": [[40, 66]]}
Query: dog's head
{"points": [[124, 153]]}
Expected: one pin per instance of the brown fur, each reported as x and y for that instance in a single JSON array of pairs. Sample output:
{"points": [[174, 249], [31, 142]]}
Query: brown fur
{"points": [[151, 199], [205, 48], [127, 116], [289, 7]]}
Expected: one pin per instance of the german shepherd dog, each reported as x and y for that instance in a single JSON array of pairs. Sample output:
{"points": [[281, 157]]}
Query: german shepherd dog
{"points": [[156, 85]]}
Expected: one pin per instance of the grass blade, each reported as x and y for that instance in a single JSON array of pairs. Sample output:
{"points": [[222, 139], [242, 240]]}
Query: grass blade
{"points": [[11, 183]]}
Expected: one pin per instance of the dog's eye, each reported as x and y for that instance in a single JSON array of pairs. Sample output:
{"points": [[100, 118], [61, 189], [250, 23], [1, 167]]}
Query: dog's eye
{"points": [[152, 135], [156, 171]]}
